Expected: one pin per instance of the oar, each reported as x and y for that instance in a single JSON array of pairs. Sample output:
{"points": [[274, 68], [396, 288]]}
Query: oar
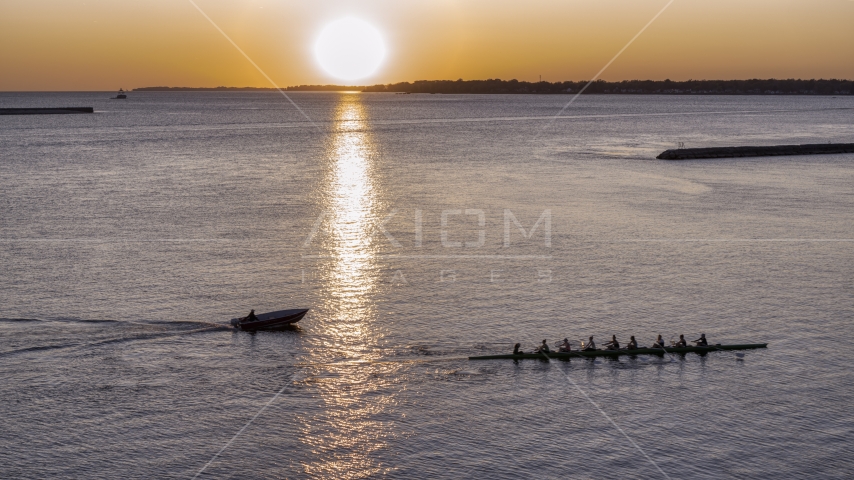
{"points": [[668, 354]]}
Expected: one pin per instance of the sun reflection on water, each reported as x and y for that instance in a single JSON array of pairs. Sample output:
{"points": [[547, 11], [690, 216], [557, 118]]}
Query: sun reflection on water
{"points": [[353, 204], [351, 421]]}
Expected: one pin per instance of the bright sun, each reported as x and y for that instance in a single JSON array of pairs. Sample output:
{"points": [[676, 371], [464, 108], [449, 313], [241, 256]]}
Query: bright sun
{"points": [[349, 49]]}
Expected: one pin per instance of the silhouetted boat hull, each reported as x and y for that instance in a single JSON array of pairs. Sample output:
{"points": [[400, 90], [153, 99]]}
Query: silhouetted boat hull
{"points": [[618, 353], [270, 321]]}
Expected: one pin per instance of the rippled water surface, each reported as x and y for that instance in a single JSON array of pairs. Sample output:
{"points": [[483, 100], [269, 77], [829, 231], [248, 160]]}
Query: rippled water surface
{"points": [[130, 237]]}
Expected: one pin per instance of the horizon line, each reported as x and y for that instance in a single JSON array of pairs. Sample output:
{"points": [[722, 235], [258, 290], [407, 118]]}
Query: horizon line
{"points": [[338, 87]]}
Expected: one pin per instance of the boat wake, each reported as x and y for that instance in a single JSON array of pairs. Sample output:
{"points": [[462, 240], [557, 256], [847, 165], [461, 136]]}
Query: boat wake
{"points": [[37, 349], [128, 338]]}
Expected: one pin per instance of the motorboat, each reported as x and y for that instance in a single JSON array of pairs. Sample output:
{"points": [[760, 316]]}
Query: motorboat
{"points": [[270, 321]]}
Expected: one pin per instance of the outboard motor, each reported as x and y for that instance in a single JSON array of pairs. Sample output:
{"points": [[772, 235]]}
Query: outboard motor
{"points": [[235, 322]]}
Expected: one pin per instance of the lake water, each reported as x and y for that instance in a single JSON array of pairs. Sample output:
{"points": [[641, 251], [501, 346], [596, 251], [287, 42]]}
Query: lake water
{"points": [[130, 237]]}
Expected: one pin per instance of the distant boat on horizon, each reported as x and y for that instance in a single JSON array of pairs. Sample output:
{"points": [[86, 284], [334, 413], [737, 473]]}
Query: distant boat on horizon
{"points": [[120, 96]]}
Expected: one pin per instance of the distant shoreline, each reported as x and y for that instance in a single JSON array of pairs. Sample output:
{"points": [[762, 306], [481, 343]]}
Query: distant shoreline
{"points": [[626, 87], [313, 88]]}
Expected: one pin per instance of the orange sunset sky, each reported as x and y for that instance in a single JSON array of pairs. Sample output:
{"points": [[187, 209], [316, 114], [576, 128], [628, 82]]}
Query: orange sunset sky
{"points": [[107, 44]]}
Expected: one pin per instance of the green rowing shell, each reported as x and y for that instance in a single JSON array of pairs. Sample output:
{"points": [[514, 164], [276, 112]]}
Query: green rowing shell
{"points": [[618, 353]]}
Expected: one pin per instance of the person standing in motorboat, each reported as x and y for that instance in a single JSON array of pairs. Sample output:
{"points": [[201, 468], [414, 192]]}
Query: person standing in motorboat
{"points": [[251, 317]]}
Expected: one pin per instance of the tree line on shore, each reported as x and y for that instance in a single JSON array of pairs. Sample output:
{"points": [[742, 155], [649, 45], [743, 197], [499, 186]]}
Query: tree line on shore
{"points": [[696, 87], [637, 87]]}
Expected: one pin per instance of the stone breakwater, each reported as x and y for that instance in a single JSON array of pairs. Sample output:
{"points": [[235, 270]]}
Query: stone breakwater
{"points": [[775, 150], [45, 111]]}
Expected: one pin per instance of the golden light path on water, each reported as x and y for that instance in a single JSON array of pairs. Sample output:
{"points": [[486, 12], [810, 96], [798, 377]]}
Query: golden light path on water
{"points": [[352, 421]]}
